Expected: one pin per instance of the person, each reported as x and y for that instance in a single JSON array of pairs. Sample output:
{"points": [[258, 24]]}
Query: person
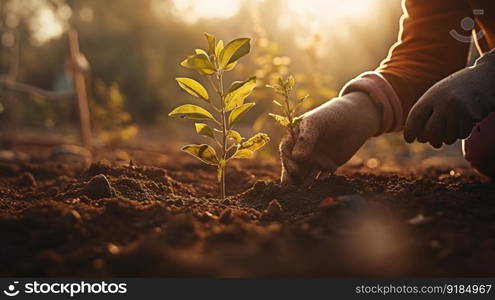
{"points": [[423, 87]]}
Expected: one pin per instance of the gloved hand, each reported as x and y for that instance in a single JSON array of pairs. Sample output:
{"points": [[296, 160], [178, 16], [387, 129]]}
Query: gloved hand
{"points": [[449, 110], [327, 137]]}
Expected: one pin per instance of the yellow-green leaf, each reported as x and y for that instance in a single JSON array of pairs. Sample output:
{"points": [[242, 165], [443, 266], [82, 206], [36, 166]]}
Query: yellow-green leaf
{"points": [[200, 51], [236, 136], [290, 82], [220, 169], [191, 111], [284, 121], [230, 66], [218, 48], [243, 153], [211, 42], [255, 142], [219, 174], [238, 92], [193, 87], [199, 62], [203, 152], [277, 88], [233, 51], [239, 112], [203, 129], [302, 99]]}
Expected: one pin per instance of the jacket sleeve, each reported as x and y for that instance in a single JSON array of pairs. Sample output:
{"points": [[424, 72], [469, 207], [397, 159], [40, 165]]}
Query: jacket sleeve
{"points": [[424, 54]]}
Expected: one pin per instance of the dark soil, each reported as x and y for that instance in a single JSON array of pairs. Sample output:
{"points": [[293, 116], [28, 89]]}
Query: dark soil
{"points": [[158, 216]]}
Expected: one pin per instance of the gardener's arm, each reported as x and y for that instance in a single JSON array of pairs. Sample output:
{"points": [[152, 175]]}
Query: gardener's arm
{"points": [[379, 102], [425, 54]]}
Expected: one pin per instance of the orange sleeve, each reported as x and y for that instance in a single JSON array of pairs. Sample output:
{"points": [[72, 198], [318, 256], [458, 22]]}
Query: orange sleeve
{"points": [[425, 52]]}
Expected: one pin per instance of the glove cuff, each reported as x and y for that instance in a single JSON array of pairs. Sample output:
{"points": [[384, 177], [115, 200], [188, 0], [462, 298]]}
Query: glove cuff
{"points": [[383, 95], [487, 58]]}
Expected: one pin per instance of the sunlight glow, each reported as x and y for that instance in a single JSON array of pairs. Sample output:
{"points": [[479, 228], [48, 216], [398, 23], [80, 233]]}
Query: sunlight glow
{"points": [[310, 13], [330, 11], [192, 10], [46, 26]]}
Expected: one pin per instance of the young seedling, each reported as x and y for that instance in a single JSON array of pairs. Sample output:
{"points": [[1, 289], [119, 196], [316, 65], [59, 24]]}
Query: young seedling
{"points": [[288, 118], [228, 107]]}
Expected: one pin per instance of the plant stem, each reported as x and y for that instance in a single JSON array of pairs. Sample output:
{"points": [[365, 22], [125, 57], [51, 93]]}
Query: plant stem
{"points": [[289, 116], [224, 134]]}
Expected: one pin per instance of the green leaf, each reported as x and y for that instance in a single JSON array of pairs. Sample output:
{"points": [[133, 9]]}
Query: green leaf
{"points": [[233, 51], [236, 136], [277, 88], [191, 111], [200, 51], [211, 43], [219, 174], [300, 101], [220, 169], [199, 62], [230, 66], [218, 48], [205, 130], [255, 142], [203, 152], [277, 103], [284, 121], [243, 153], [290, 82], [239, 112], [238, 92], [193, 87]]}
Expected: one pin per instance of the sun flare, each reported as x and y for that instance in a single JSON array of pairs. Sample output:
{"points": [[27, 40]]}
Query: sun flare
{"points": [[326, 10], [318, 11], [191, 10]]}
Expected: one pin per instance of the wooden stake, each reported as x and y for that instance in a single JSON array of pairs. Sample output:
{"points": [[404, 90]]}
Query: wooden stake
{"points": [[80, 89]]}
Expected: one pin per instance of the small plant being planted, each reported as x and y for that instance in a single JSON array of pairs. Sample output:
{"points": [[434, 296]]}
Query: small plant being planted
{"points": [[228, 107], [288, 107]]}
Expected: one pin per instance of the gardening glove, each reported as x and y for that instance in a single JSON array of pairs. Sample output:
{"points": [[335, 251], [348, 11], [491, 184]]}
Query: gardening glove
{"points": [[450, 109], [327, 137]]}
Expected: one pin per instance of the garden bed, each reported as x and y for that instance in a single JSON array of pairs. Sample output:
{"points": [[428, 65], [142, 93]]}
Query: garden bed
{"points": [[159, 215]]}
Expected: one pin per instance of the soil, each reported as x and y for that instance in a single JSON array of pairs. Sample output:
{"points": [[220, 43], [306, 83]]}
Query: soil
{"points": [[138, 213]]}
